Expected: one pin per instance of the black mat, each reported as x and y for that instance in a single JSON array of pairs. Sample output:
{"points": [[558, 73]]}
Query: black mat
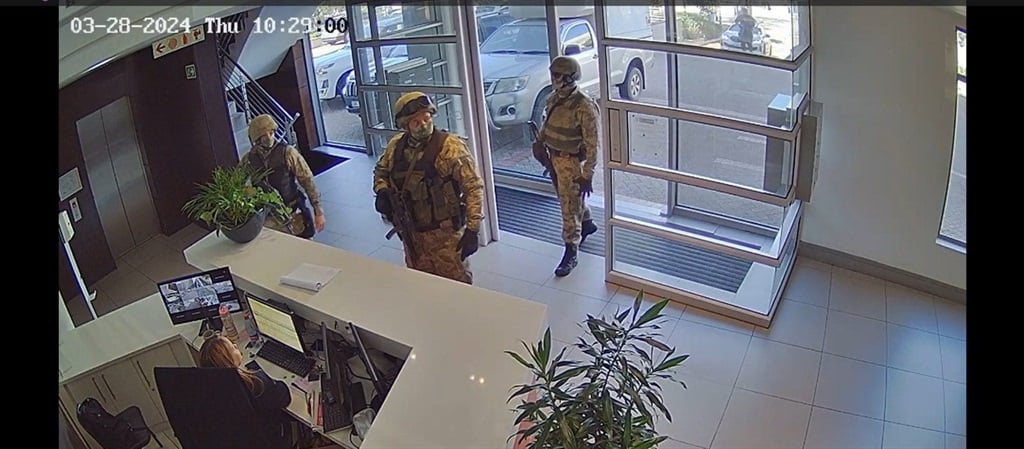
{"points": [[320, 162], [537, 216]]}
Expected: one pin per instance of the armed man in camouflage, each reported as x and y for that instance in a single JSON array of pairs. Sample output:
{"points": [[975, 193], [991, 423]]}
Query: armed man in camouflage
{"points": [[288, 170], [571, 135], [434, 175]]}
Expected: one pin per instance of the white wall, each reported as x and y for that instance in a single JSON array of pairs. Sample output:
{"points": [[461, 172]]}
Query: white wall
{"points": [[886, 78]]}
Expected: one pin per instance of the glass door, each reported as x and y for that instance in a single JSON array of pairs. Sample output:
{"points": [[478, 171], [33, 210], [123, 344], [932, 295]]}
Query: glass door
{"points": [[413, 46], [700, 204]]}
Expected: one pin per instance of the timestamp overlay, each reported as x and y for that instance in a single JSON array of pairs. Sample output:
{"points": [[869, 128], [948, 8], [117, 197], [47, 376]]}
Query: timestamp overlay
{"points": [[127, 25]]}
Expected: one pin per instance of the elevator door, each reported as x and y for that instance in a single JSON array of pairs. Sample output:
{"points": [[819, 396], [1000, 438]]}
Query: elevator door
{"points": [[117, 176]]}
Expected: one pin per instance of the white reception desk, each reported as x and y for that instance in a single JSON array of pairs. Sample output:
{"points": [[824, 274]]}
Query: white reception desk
{"points": [[452, 390]]}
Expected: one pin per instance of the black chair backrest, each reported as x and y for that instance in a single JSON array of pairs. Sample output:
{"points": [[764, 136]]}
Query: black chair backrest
{"points": [[127, 430], [210, 408]]}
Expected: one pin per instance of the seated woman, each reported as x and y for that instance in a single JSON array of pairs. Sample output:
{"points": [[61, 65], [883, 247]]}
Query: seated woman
{"points": [[272, 396]]}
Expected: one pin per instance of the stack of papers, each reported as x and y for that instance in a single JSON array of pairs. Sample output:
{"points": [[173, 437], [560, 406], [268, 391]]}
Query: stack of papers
{"points": [[309, 276]]}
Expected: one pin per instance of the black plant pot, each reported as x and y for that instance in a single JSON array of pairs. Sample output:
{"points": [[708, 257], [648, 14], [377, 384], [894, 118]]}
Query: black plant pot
{"points": [[248, 231]]}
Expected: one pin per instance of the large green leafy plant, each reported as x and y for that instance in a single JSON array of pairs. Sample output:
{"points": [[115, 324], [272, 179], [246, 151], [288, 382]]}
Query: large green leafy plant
{"points": [[611, 398], [232, 197]]}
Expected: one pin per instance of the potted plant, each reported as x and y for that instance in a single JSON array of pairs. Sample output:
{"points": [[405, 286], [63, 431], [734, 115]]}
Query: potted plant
{"points": [[234, 203], [610, 398]]}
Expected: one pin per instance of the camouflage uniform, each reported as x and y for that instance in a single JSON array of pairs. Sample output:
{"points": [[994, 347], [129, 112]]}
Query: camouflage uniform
{"points": [[571, 135], [436, 249], [292, 162], [571, 130]]}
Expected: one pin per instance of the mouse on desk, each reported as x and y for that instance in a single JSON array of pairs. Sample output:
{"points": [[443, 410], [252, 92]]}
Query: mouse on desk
{"points": [[253, 366]]}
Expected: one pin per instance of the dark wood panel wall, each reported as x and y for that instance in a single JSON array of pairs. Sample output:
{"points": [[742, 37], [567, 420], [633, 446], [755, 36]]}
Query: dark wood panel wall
{"points": [[182, 128], [290, 86]]}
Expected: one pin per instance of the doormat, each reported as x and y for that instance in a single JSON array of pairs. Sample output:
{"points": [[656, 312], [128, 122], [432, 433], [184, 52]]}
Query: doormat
{"points": [[320, 162]]}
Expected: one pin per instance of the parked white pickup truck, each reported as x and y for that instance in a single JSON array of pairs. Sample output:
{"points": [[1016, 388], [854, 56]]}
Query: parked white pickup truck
{"points": [[515, 58]]}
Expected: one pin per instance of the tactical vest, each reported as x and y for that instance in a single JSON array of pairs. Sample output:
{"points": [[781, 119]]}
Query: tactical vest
{"points": [[280, 178], [561, 132], [431, 198]]}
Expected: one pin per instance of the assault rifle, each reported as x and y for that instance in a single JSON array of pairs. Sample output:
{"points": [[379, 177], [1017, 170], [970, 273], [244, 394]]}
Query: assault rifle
{"points": [[401, 219], [540, 153]]}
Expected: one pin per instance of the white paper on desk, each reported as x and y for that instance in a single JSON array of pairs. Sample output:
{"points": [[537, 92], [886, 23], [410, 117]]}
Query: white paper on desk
{"points": [[310, 276]]}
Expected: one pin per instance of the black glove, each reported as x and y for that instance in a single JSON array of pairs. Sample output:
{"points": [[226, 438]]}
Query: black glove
{"points": [[383, 204], [469, 243], [586, 186]]}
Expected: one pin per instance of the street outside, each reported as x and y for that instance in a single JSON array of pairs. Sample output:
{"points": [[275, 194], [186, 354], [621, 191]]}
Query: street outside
{"points": [[719, 87]]}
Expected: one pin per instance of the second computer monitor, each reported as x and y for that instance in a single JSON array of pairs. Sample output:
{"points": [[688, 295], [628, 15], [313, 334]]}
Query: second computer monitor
{"points": [[275, 322]]}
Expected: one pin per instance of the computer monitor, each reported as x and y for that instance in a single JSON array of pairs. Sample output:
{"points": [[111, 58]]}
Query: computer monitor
{"points": [[335, 380], [378, 384], [199, 296], [275, 322]]}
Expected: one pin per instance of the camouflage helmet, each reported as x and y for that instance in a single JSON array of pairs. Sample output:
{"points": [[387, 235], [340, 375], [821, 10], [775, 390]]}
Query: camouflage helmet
{"points": [[566, 66], [409, 104], [261, 125]]}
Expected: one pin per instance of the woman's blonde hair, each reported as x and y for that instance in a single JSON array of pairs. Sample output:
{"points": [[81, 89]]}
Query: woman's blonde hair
{"points": [[216, 353]]}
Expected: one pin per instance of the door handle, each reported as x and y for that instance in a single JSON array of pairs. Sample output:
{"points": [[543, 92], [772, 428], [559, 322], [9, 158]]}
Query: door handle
{"points": [[112, 395]]}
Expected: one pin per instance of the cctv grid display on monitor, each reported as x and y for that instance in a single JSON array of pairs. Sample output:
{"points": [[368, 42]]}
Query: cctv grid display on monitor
{"points": [[198, 296]]}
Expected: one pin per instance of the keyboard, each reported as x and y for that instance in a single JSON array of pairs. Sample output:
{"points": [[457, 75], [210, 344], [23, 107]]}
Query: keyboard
{"points": [[334, 415], [286, 357]]}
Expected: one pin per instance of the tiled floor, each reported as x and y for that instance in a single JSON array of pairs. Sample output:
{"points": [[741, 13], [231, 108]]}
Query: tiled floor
{"points": [[850, 361]]}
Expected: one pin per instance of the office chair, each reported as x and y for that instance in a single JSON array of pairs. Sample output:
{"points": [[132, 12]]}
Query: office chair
{"points": [[211, 408], [126, 430]]}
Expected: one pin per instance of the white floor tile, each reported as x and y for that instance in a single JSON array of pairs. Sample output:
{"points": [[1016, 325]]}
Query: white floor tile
{"points": [[836, 430], [586, 279], [698, 315], [955, 399], [798, 324], [858, 294], [952, 319], [955, 441], [504, 284], [809, 283], [624, 297], [851, 386], [913, 350], [855, 337], [516, 263], [757, 421], [566, 311], [896, 436], [914, 400], [673, 444], [954, 359], [715, 354], [779, 369], [696, 410], [911, 308]]}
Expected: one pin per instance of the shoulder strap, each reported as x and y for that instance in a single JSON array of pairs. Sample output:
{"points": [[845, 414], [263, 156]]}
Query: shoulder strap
{"points": [[430, 153]]}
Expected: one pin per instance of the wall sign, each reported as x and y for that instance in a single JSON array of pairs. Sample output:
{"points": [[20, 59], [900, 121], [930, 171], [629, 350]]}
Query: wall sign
{"points": [[69, 184], [190, 72]]}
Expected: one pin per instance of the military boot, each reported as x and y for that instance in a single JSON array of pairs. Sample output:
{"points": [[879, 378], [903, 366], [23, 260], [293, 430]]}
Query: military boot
{"points": [[568, 261], [588, 228]]}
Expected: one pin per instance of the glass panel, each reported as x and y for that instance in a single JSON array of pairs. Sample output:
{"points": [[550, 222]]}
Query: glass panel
{"points": [[954, 213], [368, 65], [419, 64], [414, 19], [788, 257], [645, 199], [360, 22], [449, 110], [732, 209], [715, 275], [514, 64], [737, 90], [332, 68], [754, 161], [961, 53], [781, 32]]}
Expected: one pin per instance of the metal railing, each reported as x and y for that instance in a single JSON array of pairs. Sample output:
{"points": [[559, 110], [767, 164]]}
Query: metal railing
{"points": [[252, 99]]}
